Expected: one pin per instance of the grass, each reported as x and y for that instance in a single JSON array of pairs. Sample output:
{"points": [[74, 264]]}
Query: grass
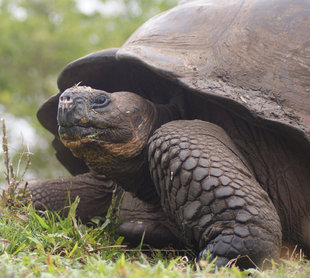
{"points": [[43, 244]]}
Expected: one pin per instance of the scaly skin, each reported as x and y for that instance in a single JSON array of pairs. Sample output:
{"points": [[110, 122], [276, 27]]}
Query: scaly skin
{"points": [[141, 219], [207, 190], [95, 194]]}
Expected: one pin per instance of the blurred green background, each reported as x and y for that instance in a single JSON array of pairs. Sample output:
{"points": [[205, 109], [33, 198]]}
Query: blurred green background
{"points": [[37, 39]]}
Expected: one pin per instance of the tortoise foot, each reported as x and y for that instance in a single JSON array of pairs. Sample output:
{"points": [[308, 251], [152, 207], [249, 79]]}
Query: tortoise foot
{"points": [[242, 246], [219, 261]]}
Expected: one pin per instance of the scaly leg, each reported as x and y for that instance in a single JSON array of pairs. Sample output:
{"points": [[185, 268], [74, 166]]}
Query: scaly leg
{"points": [[54, 194], [211, 195]]}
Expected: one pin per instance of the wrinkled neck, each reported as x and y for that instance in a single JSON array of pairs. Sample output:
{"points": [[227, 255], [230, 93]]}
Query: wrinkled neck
{"points": [[132, 173], [138, 179]]}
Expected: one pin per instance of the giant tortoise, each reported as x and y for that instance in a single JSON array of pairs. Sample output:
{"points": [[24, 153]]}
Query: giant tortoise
{"points": [[202, 118]]}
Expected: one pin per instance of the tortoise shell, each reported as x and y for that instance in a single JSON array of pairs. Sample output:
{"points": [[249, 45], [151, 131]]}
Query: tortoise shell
{"points": [[250, 57]]}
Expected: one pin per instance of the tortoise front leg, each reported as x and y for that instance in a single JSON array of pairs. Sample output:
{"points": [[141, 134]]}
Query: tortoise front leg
{"points": [[210, 194], [54, 194]]}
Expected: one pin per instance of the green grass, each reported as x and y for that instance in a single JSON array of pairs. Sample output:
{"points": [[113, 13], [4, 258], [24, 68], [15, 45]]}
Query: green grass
{"points": [[43, 244]]}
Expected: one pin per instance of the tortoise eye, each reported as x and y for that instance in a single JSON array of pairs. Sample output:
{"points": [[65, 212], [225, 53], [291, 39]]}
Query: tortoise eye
{"points": [[100, 101]]}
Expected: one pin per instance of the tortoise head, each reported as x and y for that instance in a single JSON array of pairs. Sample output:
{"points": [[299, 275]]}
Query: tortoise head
{"points": [[104, 129]]}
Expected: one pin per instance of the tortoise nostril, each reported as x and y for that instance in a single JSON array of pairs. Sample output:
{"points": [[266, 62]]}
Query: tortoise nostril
{"points": [[66, 98]]}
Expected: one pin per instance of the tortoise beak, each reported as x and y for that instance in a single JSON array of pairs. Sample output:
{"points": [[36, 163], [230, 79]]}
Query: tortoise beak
{"points": [[72, 109]]}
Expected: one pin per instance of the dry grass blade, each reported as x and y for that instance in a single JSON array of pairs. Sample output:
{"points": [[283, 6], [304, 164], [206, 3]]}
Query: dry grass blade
{"points": [[107, 247], [13, 179], [5, 151]]}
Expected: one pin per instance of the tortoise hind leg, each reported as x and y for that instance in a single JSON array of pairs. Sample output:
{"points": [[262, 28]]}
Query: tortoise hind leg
{"points": [[145, 221], [207, 190], [139, 219], [55, 194]]}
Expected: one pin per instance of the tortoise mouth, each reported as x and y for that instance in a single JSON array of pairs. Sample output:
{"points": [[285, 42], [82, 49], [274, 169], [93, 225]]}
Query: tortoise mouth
{"points": [[77, 133], [95, 135]]}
